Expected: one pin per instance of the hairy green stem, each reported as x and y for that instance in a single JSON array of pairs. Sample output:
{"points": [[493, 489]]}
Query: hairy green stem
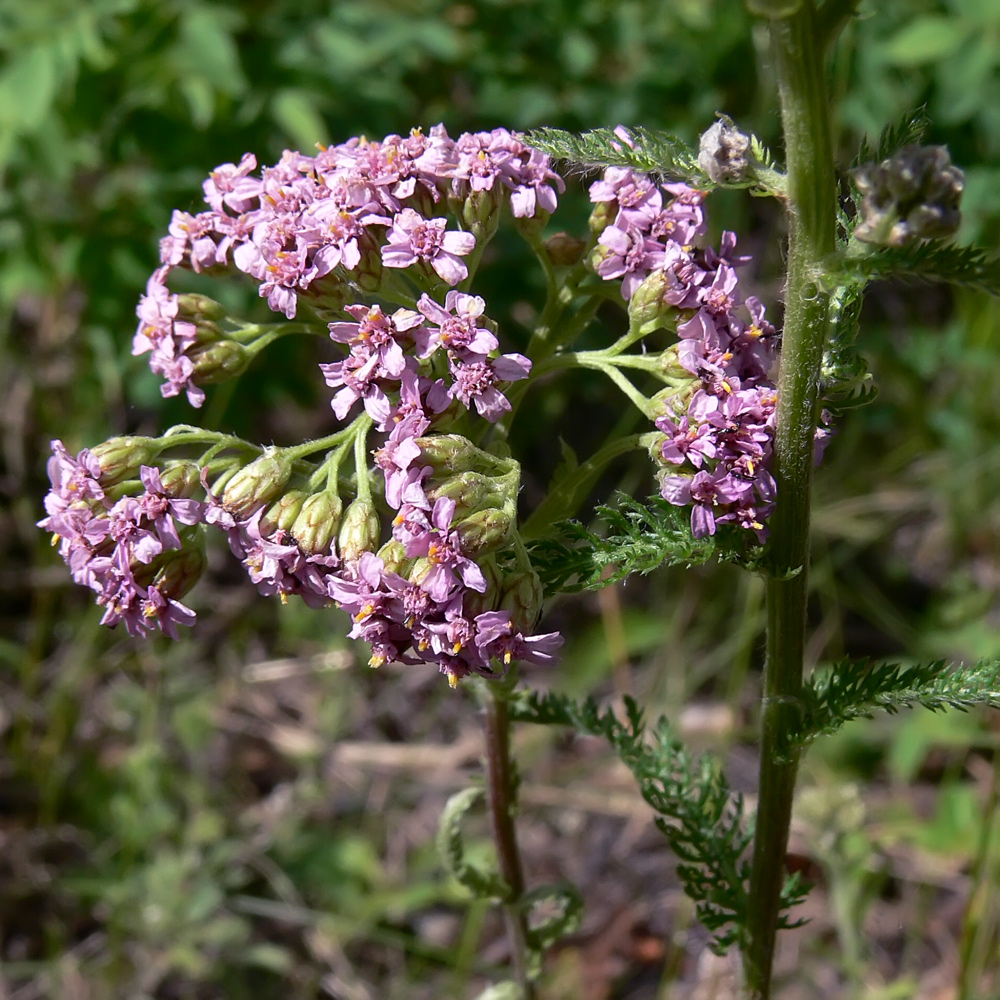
{"points": [[798, 64], [500, 784]]}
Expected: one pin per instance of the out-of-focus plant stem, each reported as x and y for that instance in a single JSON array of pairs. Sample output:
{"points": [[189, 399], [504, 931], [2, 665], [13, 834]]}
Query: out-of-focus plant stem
{"points": [[501, 790]]}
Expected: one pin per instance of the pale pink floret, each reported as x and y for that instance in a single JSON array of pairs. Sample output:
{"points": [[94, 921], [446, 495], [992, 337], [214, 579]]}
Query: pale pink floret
{"points": [[414, 240], [230, 185], [454, 326]]}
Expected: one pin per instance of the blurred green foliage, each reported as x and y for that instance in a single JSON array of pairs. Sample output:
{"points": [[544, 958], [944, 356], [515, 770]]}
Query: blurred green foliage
{"points": [[171, 822]]}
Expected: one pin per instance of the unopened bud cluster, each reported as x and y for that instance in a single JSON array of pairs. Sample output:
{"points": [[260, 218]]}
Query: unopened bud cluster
{"points": [[913, 195]]}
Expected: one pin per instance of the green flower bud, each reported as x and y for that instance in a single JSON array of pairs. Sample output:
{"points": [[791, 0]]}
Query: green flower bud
{"points": [[476, 603], [218, 361], [282, 513], [450, 453], [194, 307], [484, 530], [315, 529], [393, 554], [360, 530], [522, 597], [120, 458], [256, 484], [480, 213], [328, 296], [531, 227], [646, 309], [565, 250], [173, 572], [181, 480], [602, 216], [368, 274], [419, 569], [471, 491], [671, 366], [597, 255], [675, 398]]}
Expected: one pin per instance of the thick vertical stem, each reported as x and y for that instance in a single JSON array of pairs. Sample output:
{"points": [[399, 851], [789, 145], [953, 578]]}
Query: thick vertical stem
{"points": [[500, 787], [797, 54]]}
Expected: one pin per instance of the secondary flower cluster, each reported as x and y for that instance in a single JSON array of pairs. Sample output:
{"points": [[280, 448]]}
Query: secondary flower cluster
{"points": [[420, 598], [719, 420], [121, 549], [316, 225]]}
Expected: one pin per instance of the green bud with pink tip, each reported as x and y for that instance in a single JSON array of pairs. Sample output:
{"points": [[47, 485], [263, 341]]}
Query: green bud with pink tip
{"points": [[360, 530], [121, 457], [256, 484], [315, 528]]}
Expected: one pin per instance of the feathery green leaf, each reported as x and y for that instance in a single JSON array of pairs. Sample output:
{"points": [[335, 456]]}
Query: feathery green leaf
{"points": [[701, 818], [451, 848], [908, 130], [857, 689], [969, 267], [652, 152], [640, 538]]}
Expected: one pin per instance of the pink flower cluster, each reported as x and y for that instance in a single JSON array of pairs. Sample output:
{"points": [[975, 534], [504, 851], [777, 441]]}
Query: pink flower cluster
{"points": [[718, 433], [311, 223], [406, 368], [108, 545], [423, 619]]}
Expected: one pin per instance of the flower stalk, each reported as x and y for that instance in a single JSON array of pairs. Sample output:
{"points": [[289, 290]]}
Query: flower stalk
{"points": [[798, 63], [501, 791]]}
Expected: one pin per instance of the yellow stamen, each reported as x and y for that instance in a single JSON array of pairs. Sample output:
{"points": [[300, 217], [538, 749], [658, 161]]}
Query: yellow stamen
{"points": [[456, 648], [750, 466], [376, 661], [507, 656], [452, 681]]}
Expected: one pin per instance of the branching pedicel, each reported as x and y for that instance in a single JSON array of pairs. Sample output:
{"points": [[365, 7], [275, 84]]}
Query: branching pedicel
{"points": [[402, 224]]}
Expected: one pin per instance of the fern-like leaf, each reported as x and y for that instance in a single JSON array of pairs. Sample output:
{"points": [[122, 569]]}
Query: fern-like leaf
{"points": [[701, 818], [908, 130], [857, 689], [640, 538], [969, 267], [650, 151]]}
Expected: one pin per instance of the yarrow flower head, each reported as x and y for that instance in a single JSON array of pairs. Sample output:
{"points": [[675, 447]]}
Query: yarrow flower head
{"points": [[406, 515], [405, 215]]}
